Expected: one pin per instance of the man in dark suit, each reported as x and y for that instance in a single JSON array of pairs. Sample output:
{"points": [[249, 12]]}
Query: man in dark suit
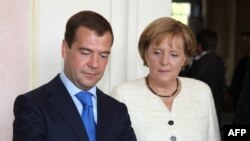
{"points": [[207, 66], [52, 112], [242, 114], [240, 72]]}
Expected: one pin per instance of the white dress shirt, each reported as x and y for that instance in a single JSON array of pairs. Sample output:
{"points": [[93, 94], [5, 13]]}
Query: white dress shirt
{"points": [[73, 90]]}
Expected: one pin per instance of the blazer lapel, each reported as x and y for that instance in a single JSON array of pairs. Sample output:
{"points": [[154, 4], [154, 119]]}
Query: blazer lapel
{"points": [[61, 101]]}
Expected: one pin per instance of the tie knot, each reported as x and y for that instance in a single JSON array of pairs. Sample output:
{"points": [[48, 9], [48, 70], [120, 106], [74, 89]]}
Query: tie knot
{"points": [[85, 98]]}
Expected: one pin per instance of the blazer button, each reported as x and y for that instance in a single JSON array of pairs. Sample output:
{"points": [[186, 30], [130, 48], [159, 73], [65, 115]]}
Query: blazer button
{"points": [[173, 138], [170, 122]]}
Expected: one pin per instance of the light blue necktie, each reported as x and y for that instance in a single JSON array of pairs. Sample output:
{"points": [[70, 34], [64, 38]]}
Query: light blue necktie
{"points": [[87, 114]]}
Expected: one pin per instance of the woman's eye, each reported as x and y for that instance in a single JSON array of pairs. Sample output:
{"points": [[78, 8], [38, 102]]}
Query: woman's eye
{"points": [[174, 55], [157, 52]]}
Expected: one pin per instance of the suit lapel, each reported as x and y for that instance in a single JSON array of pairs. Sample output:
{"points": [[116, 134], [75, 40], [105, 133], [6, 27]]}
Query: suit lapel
{"points": [[101, 115], [61, 101]]}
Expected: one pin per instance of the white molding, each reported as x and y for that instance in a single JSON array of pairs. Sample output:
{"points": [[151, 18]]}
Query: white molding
{"points": [[33, 43]]}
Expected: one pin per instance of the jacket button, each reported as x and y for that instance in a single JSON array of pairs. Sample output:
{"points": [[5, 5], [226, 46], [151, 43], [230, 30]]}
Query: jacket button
{"points": [[170, 122], [173, 138]]}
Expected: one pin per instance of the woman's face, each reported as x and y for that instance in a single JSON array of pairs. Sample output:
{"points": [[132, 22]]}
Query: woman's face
{"points": [[165, 60]]}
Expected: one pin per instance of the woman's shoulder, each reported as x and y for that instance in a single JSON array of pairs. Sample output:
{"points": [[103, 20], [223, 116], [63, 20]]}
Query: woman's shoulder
{"points": [[193, 83], [128, 89], [132, 83], [196, 89]]}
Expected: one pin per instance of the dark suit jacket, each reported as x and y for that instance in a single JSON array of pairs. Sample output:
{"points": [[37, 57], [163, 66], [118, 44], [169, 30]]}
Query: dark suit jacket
{"points": [[242, 115], [210, 69], [238, 79], [48, 113]]}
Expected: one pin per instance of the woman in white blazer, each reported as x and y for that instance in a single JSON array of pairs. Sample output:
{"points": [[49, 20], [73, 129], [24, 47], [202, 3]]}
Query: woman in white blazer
{"points": [[162, 105]]}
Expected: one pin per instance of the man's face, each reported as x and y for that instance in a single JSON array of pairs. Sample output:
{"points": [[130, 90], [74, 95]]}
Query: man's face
{"points": [[86, 60]]}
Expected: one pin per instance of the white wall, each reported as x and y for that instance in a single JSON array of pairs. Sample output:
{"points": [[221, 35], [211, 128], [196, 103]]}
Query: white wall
{"points": [[31, 32], [127, 17], [14, 51]]}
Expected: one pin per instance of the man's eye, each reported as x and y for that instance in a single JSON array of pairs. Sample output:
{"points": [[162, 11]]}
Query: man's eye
{"points": [[85, 52], [104, 55]]}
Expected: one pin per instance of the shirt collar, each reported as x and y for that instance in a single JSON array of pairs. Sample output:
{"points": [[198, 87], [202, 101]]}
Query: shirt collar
{"points": [[202, 54], [71, 87]]}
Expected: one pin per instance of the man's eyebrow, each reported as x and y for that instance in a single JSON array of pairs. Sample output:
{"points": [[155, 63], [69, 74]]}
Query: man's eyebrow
{"points": [[107, 52], [84, 48], [88, 49]]}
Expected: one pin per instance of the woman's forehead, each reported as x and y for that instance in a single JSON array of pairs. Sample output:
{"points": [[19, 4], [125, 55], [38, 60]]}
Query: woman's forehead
{"points": [[171, 41]]}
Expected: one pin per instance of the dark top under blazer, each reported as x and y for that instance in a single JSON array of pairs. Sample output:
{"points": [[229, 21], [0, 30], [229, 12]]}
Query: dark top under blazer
{"points": [[48, 113]]}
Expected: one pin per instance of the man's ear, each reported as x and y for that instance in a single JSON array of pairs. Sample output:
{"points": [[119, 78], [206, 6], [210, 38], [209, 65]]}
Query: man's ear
{"points": [[65, 49]]}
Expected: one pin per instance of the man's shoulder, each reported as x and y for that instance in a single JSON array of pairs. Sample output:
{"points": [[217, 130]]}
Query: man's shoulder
{"points": [[110, 104], [211, 55], [42, 91], [106, 98], [210, 59]]}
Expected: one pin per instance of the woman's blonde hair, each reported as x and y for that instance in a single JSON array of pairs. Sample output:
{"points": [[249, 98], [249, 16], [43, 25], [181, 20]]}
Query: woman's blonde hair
{"points": [[156, 31]]}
